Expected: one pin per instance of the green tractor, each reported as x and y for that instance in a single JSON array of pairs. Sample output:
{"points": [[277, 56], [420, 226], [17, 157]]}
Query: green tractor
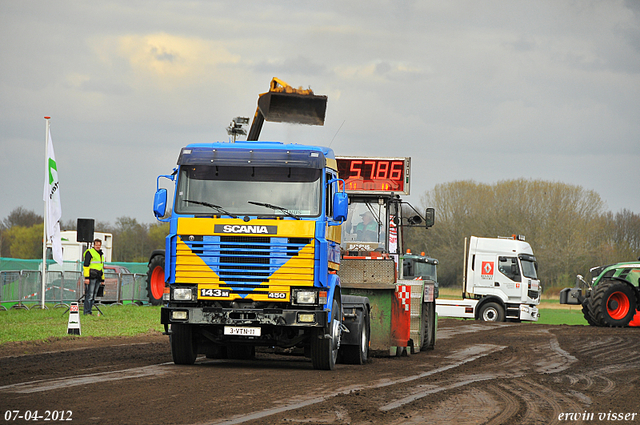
{"points": [[612, 298]]}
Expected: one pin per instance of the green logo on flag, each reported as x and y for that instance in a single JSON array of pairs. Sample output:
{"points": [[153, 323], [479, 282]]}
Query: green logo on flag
{"points": [[52, 166]]}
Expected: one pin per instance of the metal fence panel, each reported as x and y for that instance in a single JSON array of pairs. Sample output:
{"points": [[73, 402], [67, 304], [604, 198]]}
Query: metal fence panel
{"points": [[23, 288]]}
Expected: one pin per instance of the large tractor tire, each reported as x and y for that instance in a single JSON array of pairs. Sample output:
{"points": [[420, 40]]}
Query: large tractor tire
{"points": [[613, 303], [184, 347], [589, 314], [324, 347], [491, 312], [155, 280]]}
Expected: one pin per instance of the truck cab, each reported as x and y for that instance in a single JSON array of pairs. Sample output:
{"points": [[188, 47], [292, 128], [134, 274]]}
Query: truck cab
{"points": [[504, 268], [500, 282], [253, 251]]}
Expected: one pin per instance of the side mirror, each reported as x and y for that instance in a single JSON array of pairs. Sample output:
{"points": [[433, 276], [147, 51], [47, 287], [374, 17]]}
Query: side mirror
{"points": [[340, 206], [429, 217], [160, 203]]}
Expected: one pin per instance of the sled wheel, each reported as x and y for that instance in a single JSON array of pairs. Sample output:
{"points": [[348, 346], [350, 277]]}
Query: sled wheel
{"points": [[428, 335], [358, 354]]}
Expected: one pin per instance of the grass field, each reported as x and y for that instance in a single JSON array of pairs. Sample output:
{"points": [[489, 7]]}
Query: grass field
{"points": [[129, 320], [38, 324]]}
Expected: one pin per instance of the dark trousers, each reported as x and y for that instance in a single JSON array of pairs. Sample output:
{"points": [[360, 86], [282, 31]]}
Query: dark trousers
{"points": [[90, 292]]}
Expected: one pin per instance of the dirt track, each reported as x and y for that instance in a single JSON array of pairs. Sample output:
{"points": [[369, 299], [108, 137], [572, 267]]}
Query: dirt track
{"points": [[478, 373]]}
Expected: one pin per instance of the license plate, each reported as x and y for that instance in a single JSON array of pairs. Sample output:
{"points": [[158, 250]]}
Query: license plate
{"points": [[241, 331]]}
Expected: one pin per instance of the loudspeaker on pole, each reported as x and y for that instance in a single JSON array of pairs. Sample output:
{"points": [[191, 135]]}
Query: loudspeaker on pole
{"points": [[73, 328], [85, 230]]}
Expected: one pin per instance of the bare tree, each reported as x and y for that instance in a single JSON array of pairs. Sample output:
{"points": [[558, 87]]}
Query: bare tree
{"points": [[560, 221]]}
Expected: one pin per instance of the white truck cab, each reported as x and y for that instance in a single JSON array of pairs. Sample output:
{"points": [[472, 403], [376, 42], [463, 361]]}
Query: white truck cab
{"points": [[500, 282]]}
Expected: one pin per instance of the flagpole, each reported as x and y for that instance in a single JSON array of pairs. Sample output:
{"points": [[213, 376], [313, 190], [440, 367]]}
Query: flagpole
{"points": [[44, 230]]}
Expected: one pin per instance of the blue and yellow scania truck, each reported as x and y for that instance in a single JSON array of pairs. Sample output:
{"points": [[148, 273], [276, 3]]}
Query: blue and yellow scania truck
{"points": [[252, 255]]}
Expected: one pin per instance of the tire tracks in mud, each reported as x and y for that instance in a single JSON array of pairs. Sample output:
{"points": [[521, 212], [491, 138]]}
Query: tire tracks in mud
{"points": [[499, 389]]}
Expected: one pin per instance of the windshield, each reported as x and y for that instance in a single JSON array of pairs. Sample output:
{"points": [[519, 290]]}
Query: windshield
{"points": [[365, 224], [426, 270], [260, 191], [418, 268], [529, 269]]}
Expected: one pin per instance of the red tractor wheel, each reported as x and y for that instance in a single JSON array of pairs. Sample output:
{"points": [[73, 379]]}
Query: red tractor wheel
{"points": [[615, 303], [155, 280]]}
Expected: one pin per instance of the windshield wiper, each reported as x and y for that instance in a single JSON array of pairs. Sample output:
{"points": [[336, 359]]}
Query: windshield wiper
{"points": [[276, 207], [218, 208]]}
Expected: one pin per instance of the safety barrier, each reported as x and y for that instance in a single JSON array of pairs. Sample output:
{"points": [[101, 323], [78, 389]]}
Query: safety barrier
{"points": [[23, 288]]}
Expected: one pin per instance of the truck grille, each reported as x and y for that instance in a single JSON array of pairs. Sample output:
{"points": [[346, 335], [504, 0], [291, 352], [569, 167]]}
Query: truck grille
{"points": [[245, 261]]}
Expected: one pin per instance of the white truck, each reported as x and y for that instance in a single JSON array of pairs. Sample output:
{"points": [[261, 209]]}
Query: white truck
{"points": [[500, 282]]}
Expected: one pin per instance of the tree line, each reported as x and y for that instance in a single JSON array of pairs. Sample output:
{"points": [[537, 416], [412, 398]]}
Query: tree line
{"points": [[21, 236], [567, 226]]}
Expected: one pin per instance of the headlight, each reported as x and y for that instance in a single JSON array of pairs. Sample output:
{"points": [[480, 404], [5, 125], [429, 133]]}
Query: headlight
{"points": [[306, 297], [179, 315], [306, 318], [182, 294]]}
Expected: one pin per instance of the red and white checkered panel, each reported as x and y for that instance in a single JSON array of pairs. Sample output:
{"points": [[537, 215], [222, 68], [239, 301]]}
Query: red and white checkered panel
{"points": [[403, 292]]}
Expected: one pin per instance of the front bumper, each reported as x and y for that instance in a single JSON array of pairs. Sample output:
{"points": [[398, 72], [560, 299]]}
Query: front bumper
{"points": [[244, 317], [529, 313]]}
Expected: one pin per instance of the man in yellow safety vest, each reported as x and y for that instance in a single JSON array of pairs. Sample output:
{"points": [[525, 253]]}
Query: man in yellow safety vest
{"points": [[93, 274]]}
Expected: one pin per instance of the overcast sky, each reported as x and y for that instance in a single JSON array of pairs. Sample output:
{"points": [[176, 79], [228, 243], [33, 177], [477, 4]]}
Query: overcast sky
{"points": [[487, 91]]}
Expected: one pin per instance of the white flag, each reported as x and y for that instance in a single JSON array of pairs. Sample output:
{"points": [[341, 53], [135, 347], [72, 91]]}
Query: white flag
{"points": [[52, 202]]}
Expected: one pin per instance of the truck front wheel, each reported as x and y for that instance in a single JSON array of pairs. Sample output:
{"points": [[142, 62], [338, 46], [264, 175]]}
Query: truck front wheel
{"points": [[155, 280], [184, 348], [491, 312], [324, 347]]}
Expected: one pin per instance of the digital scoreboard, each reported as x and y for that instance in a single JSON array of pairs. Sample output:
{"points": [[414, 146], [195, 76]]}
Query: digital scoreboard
{"points": [[374, 175]]}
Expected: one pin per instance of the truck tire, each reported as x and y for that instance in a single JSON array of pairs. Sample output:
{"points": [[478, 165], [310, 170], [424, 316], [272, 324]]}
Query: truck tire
{"points": [[324, 351], [428, 334], [155, 280], [184, 347], [614, 303], [491, 312], [358, 354]]}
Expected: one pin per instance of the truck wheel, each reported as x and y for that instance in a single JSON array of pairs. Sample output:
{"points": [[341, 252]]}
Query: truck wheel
{"points": [[491, 312], [428, 334], [155, 280], [615, 303], [184, 347], [324, 351], [241, 352], [358, 354]]}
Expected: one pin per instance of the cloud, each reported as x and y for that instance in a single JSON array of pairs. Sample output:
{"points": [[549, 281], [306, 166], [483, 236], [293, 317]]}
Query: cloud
{"points": [[164, 61]]}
